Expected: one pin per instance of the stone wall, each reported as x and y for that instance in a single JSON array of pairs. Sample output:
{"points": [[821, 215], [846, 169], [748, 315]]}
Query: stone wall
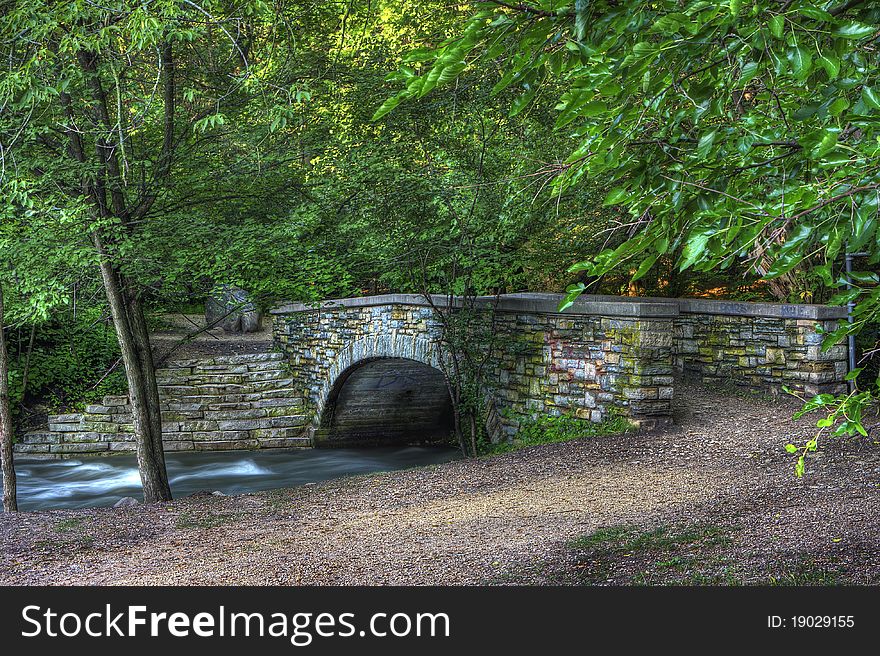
{"points": [[760, 345], [228, 402], [603, 355]]}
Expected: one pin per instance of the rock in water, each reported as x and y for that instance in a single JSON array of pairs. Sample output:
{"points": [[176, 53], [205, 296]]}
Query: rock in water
{"points": [[232, 307], [126, 502]]}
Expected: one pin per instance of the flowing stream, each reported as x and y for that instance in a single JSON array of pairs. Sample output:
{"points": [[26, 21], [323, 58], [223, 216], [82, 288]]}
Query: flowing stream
{"points": [[94, 482]]}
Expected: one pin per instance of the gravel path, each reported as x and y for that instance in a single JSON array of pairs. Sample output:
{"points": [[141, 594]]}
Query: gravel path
{"points": [[176, 337], [502, 519]]}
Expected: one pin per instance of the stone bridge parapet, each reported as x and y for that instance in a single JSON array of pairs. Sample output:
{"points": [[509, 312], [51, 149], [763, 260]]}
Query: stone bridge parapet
{"points": [[604, 354]]}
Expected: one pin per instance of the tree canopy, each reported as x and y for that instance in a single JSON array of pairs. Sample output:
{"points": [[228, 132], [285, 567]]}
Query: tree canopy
{"points": [[737, 134]]}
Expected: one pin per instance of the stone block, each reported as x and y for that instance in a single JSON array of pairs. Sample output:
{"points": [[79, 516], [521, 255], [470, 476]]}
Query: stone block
{"points": [[125, 446], [63, 428], [227, 445], [178, 445], [287, 421], [638, 393], [284, 442], [87, 447], [239, 424], [30, 448]]}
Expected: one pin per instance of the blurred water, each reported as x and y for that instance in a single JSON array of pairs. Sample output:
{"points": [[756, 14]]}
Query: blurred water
{"points": [[102, 481]]}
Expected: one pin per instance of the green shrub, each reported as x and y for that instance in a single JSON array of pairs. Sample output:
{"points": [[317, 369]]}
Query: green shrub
{"points": [[70, 362], [547, 429]]}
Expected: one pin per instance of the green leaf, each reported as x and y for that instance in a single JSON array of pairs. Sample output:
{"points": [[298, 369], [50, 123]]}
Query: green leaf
{"points": [[829, 61], [854, 30], [387, 106], [616, 196], [748, 72], [852, 375], [694, 250], [843, 298], [645, 266], [864, 277], [522, 102], [705, 144], [594, 108], [791, 448], [870, 97], [571, 294], [826, 144], [816, 12], [801, 62], [777, 24], [838, 106]]}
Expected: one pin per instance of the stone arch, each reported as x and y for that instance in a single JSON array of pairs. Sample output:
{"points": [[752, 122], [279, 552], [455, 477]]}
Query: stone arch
{"points": [[361, 352]]}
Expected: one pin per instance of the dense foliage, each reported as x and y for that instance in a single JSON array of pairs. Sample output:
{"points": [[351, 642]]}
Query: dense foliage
{"points": [[735, 135]]}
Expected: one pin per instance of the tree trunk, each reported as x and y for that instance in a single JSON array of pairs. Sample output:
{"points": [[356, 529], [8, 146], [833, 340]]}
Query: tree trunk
{"points": [[10, 496], [131, 331]]}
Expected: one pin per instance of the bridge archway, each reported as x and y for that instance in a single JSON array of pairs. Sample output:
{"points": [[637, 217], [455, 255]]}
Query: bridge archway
{"points": [[366, 366], [384, 401]]}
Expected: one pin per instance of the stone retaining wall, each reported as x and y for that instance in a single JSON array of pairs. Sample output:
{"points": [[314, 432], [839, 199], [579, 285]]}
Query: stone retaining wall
{"points": [[228, 402], [761, 346]]}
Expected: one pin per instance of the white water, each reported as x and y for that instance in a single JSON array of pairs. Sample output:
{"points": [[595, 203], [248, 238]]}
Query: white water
{"points": [[102, 481]]}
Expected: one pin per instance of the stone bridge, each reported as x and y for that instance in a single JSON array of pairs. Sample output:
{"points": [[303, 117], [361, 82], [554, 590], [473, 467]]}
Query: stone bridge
{"points": [[371, 367], [370, 370]]}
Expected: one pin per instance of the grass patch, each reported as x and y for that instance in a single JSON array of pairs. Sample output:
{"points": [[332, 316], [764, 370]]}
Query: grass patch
{"points": [[546, 429], [204, 519], [630, 555], [70, 525], [699, 554], [805, 572]]}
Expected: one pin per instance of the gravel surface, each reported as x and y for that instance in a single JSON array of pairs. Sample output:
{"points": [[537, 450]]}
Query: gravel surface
{"points": [[502, 519], [179, 335]]}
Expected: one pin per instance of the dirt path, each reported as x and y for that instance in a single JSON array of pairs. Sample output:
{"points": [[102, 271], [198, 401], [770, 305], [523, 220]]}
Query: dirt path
{"points": [[172, 336], [503, 519]]}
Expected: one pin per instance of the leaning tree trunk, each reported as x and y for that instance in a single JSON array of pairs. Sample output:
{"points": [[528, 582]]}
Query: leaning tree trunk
{"points": [[106, 194], [10, 497], [131, 331]]}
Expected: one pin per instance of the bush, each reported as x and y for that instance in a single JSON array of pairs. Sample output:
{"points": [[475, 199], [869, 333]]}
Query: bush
{"points": [[547, 429], [69, 363]]}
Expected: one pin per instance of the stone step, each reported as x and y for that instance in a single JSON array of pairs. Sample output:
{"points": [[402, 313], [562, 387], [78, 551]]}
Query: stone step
{"points": [[65, 419], [42, 437], [208, 389], [64, 427], [244, 401], [243, 358], [215, 378]]}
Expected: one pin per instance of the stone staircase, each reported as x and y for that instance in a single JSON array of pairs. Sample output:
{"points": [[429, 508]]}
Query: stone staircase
{"points": [[221, 403]]}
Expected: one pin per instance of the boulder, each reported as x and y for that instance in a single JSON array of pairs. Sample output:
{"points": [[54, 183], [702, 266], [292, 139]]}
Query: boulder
{"points": [[126, 502], [233, 309]]}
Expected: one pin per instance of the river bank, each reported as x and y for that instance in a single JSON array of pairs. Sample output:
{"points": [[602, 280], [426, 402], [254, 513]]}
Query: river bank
{"points": [[520, 517]]}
